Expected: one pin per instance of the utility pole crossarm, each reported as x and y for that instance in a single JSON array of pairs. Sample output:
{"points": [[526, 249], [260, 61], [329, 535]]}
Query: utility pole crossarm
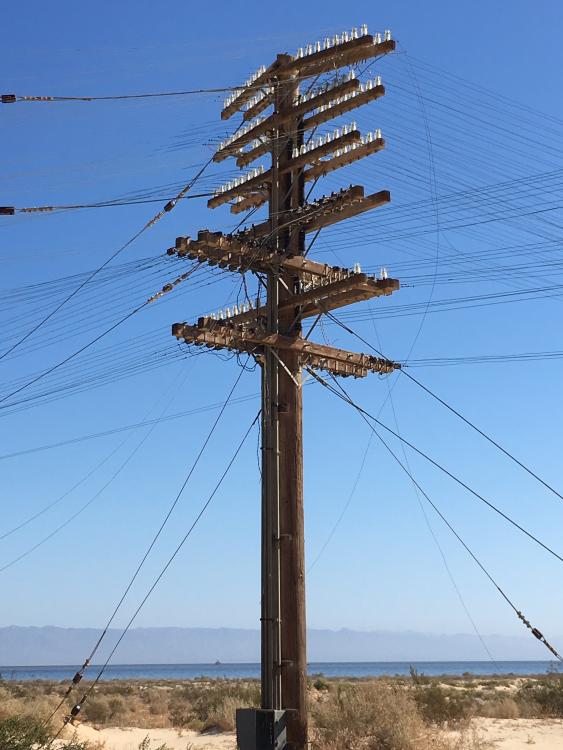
{"points": [[219, 335]]}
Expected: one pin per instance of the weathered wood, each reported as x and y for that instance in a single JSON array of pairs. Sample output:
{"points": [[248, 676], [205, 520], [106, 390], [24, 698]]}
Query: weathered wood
{"points": [[329, 165], [219, 335]]}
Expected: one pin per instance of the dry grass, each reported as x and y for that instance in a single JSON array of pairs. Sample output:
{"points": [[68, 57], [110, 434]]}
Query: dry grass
{"points": [[377, 714]]}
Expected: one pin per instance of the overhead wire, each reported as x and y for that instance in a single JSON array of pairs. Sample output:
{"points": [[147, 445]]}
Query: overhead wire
{"points": [[77, 707], [168, 207], [456, 479], [534, 631], [457, 413], [80, 673]]}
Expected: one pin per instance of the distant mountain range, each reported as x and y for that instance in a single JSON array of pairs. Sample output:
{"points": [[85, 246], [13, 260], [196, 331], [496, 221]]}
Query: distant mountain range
{"points": [[45, 646]]}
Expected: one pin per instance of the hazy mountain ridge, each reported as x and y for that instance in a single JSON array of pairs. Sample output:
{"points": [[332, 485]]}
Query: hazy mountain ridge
{"points": [[37, 646]]}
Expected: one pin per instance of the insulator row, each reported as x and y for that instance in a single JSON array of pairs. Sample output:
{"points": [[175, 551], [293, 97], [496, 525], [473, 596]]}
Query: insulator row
{"points": [[258, 98], [338, 81], [323, 140], [367, 86], [241, 132], [339, 274], [237, 92], [239, 180], [228, 312], [337, 39], [369, 138]]}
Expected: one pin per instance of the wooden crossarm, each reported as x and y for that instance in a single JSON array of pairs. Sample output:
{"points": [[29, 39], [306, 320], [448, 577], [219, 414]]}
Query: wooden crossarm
{"points": [[221, 335]]}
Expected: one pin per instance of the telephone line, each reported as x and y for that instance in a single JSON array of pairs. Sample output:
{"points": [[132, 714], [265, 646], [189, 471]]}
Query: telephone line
{"points": [[456, 412], [448, 473], [77, 707], [80, 673], [534, 631]]}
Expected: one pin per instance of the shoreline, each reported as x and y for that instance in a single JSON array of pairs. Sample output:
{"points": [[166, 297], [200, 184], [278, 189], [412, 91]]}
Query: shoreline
{"points": [[251, 670]]}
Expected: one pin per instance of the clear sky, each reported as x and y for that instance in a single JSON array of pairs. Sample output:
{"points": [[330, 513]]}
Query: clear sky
{"points": [[461, 117]]}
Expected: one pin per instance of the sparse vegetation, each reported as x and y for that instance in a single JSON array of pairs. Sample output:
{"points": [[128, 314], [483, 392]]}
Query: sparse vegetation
{"points": [[378, 716], [399, 713], [546, 693], [28, 733]]}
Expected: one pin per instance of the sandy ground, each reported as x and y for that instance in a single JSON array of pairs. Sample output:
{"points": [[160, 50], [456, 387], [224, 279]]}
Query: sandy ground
{"points": [[502, 734], [114, 738], [517, 734]]}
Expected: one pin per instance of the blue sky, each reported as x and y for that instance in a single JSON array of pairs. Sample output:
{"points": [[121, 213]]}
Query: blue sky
{"points": [[462, 113]]}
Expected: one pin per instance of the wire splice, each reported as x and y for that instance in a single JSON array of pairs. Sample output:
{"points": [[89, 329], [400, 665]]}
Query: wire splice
{"points": [[539, 635]]}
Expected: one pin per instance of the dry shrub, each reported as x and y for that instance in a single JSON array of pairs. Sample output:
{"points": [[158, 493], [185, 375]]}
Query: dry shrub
{"points": [[157, 701], [211, 705], [14, 702], [500, 708], [546, 693], [442, 707], [375, 716]]}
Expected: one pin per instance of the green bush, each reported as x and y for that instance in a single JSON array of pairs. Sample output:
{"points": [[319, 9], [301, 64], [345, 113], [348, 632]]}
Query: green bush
{"points": [[96, 710], [437, 706], [28, 733], [21, 733], [212, 705], [547, 693]]}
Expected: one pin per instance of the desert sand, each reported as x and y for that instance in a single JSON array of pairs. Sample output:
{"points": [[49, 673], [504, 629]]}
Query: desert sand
{"points": [[517, 734], [499, 734], [117, 738]]}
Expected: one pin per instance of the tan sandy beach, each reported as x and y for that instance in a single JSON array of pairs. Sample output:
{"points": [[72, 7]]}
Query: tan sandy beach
{"points": [[129, 738], [496, 734], [517, 734]]}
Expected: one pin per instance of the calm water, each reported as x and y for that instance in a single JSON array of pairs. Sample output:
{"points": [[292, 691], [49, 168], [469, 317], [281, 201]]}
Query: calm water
{"points": [[329, 669]]}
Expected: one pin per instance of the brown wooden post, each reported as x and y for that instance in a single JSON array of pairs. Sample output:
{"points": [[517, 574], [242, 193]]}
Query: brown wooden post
{"points": [[292, 541], [297, 288]]}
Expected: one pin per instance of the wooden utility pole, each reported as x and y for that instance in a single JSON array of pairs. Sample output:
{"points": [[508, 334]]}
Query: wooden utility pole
{"points": [[297, 288]]}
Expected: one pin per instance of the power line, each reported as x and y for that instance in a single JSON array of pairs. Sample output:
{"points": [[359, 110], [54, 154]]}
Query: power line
{"points": [[347, 399], [11, 210], [77, 707], [92, 471], [456, 412], [80, 674], [134, 426], [445, 471], [168, 207], [76, 352]]}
